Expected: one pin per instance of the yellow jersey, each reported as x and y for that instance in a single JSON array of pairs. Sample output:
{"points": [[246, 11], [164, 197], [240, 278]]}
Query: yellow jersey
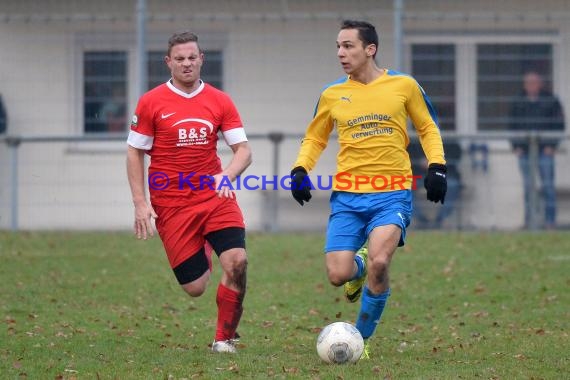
{"points": [[371, 123]]}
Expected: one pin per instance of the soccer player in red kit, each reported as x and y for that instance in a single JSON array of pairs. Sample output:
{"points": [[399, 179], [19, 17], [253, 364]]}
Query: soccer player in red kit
{"points": [[177, 125]]}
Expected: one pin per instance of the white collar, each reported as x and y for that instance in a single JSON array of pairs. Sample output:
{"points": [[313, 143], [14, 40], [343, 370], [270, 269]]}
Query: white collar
{"points": [[182, 93]]}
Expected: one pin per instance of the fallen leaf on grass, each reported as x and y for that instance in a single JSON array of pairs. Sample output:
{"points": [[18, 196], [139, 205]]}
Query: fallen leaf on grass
{"points": [[479, 289], [290, 370], [551, 298], [320, 288], [449, 266], [402, 346], [9, 320], [479, 314], [232, 368]]}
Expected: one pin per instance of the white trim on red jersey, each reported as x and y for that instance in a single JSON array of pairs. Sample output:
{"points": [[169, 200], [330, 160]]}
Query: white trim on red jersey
{"points": [[235, 136], [140, 141], [182, 93]]}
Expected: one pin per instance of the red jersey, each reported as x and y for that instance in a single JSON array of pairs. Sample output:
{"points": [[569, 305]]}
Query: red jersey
{"points": [[180, 133]]}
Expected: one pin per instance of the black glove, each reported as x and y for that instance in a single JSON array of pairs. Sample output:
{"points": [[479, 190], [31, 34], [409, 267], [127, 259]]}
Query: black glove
{"points": [[300, 185], [435, 183]]}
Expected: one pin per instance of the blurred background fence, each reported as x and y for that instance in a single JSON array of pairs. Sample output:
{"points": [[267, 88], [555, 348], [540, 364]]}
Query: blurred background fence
{"points": [[72, 71], [82, 191]]}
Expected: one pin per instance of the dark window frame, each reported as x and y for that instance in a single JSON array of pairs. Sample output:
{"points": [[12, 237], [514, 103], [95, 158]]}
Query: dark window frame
{"points": [[106, 86]]}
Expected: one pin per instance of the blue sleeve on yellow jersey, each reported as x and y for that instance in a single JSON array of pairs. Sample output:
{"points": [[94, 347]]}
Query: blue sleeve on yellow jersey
{"points": [[427, 128], [429, 104]]}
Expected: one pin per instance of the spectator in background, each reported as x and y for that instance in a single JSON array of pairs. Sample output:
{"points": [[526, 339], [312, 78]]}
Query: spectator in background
{"points": [[453, 154], [537, 110], [114, 111], [3, 117]]}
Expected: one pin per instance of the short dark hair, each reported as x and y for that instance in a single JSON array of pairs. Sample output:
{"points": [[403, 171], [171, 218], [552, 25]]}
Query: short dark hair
{"points": [[183, 37], [366, 32]]}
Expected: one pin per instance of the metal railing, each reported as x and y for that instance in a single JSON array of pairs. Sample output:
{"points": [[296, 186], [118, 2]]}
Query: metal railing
{"points": [[276, 139]]}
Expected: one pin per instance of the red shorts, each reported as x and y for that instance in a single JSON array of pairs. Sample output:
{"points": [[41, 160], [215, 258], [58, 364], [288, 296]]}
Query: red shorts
{"points": [[182, 229]]}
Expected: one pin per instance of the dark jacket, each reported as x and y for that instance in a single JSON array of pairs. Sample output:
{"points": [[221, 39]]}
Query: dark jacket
{"points": [[544, 114], [3, 117]]}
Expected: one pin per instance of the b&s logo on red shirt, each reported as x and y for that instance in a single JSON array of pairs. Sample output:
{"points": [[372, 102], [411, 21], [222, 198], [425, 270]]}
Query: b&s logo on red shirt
{"points": [[195, 132]]}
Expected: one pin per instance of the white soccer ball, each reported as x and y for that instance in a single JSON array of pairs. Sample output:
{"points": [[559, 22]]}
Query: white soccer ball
{"points": [[339, 343]]}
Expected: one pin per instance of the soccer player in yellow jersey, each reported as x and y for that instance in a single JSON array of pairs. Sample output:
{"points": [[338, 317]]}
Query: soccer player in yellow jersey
{"points": [[371, 198]]}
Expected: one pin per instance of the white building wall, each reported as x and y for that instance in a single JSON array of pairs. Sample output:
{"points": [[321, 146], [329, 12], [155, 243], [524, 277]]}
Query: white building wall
{"points": [[274, 70]]}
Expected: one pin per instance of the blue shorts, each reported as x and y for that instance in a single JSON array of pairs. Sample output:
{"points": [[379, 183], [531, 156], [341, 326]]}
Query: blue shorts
{"points": [[355, 215]]}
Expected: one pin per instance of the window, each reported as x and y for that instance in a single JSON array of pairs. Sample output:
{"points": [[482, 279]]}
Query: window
{"points": [[105, 91], [500, 68], [105, 85], [211, 69], [433, 66]]}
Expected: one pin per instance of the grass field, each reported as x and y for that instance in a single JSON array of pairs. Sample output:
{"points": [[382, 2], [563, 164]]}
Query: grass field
{"points": [[105, 306]]}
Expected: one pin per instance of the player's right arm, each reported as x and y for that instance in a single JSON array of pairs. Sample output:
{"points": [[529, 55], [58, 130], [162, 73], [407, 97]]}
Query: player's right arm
{"points": [[314, 142], [141, 138], [143, 210], [316, 136]]}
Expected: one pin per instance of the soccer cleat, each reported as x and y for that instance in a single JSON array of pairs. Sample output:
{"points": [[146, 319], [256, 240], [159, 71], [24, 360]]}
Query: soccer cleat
{"points": [[353, 288], [224, 346], [236, 338], [365, 351]]}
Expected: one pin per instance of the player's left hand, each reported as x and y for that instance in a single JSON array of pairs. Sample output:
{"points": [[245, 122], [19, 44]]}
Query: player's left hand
{"points": [[435, 183], [222, 188]]}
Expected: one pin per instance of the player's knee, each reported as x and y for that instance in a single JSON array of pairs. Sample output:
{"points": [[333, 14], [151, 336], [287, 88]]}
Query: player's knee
{"points": [[195, 289], [338, 276], [240, 266], [237, 263], [378, 265], [336, 280]]}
